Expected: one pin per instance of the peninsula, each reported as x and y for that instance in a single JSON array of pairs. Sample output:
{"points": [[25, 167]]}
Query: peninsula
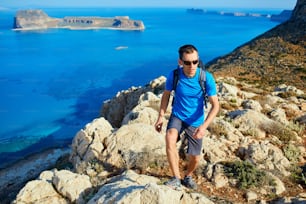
{"points": [[38, 19]]}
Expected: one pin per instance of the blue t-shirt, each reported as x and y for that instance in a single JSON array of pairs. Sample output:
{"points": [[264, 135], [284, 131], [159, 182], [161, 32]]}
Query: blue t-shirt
{"points": [[188, 105]]}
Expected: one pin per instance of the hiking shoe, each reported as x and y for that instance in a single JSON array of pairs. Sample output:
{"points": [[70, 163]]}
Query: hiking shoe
{"points": [[189, 183], [174, 183]]}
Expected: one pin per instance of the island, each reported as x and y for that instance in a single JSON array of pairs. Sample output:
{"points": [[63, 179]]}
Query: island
{"points": [[282, 17], [223, 13], [38, 19]]}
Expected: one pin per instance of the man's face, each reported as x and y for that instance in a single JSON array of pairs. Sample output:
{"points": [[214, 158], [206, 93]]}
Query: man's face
{"points": [[190, 63]]}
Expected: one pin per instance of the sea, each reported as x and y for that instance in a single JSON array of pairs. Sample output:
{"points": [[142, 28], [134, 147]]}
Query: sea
{"points": [[54, 81]]}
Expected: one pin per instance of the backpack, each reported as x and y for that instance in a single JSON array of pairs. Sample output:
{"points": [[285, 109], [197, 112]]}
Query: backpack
{"points": [[202, 80]]}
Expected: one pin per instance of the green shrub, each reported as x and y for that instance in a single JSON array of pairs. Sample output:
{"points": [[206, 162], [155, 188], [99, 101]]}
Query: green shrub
{"points": [[96, 165], [298, 174], [246, 174], [297, 127], [291, 152]]}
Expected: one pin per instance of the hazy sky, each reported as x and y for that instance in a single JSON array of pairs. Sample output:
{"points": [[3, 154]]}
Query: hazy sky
{"points": [[279, 4]]}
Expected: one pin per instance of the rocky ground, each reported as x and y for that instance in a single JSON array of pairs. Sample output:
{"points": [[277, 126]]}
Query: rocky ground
{"points": [[254, 127]]}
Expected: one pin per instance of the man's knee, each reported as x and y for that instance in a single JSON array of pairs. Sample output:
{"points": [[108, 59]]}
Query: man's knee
{"points": [[195, 158], [171, 137]]}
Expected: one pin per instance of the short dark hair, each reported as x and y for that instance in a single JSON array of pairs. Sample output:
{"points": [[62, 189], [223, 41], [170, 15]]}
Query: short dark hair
{"points": [[186, 49]]}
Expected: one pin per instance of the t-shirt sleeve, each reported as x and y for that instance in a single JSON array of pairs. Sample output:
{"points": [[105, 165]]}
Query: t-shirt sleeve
{"points": [[169, 82], [211, 89]]}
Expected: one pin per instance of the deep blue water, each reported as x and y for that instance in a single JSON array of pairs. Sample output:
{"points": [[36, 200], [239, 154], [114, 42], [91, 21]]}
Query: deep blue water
{"points": [[53, 82]]}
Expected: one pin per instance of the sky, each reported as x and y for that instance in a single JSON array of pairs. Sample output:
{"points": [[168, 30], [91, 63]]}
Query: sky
{"points": [[274, 4]]}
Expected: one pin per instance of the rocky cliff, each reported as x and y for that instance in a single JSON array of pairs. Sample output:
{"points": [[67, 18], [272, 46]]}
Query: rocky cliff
{"points": [[277, 56], [282, 17], [37, 19]]}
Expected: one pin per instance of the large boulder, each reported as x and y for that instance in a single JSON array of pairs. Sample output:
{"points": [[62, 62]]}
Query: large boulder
{"points": [[134, 188], [61, 187], [88, 144]]}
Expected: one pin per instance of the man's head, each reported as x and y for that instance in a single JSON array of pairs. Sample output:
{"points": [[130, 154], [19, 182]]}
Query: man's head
{"points": [[189, 59]]}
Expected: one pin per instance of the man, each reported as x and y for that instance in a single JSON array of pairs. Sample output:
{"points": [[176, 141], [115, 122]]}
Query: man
{"points": [[187, 114]]}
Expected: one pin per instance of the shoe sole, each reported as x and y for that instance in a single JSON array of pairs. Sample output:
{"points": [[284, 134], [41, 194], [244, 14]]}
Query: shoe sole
{"points": [[190, 187], [174, 188]]}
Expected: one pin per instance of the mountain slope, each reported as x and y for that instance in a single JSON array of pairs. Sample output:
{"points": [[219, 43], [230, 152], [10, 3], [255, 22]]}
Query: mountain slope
{"points": [[275, 57]]}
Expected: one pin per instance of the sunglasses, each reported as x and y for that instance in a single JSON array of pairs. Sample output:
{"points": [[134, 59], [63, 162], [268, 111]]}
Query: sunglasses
{"points": [[189, 62]]}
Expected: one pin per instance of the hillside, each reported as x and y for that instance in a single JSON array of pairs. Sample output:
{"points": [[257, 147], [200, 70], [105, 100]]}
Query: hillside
{"points": [[275, 57], [253, 152]]}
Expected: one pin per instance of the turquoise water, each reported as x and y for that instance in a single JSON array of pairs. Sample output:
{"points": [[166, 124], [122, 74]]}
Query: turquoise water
{"points": [[53, 82]]}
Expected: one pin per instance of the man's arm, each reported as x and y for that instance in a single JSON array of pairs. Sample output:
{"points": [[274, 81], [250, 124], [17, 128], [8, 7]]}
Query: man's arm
{"points": [[163, 108], [211, 115]]}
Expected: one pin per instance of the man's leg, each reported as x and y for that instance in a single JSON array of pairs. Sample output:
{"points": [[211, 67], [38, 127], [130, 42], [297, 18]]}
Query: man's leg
{"points": [[193, 164], [194, 155], [172, 152]]}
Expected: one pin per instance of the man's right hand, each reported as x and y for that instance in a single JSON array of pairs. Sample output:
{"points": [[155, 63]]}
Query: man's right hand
{"points": [[159, 125]]}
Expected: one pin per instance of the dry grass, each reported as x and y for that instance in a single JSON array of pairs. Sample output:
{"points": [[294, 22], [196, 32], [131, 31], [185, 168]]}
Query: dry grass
{"points": [[282, 132]]}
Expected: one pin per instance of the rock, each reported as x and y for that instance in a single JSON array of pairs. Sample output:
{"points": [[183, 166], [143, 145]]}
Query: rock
{"points": [[250, 195], [267, 156], [39, 191], [250, 122], [251, 104], [285, 88], [134, 188], [28, 169], [72, 186], [87, 145], [219, 179], [124, 102], [130, 142], [279, 186], [279, 115], [302, 119]]}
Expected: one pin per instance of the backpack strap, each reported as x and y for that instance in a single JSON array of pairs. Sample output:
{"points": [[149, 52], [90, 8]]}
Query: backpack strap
{"points": [[202, 81], [175, 80], [175, 77]]}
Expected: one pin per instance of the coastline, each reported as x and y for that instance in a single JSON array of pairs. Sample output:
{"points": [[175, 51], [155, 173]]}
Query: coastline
{"points": [[14, 176]]}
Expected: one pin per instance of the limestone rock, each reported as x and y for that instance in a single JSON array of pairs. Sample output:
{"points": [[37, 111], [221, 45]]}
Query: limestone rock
{"points": [[134, 188], [40, 192], [268, 156], [279, 186], [130, 141], [71, 185], [117, 108], [87, 145]]}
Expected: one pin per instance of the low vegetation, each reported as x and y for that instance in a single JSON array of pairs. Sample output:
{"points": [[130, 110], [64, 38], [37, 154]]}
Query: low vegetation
{"points": [[246, 174]]}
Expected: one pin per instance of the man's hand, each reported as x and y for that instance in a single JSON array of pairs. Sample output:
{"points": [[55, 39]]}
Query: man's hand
{"points": [[159, 124], [199, 133]]}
